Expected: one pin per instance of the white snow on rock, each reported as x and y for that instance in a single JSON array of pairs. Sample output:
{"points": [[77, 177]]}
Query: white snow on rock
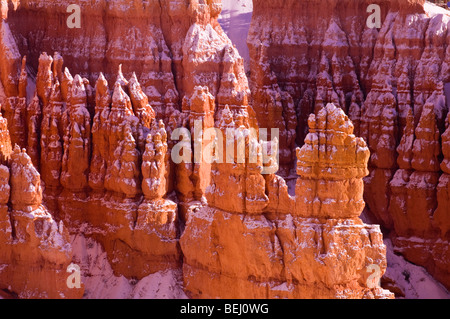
{"points": [[101, 283], [235, 21], [433, 9], [414, 281]]}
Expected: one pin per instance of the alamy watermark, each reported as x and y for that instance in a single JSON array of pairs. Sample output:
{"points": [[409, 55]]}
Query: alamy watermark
{"points": [[373, 21], [74, 279], [74, 19], [238, 146], [373, 281]]}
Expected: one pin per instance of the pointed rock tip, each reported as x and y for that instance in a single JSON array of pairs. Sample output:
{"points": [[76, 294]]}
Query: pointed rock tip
{"points": [[120, 78], [101, 77], [55, 94], [119, 93], [77, 80], [101, 86], [79, 83], [78, 88], [57, 56], [45, 57], [67, 74], [101, 83], [133, 78]]}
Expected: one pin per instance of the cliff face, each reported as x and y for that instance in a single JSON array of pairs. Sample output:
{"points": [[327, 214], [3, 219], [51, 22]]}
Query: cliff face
{"points": [[103, 140], [392, 81], [113, 32], [103, 150], [255, 252], [35, 249]]}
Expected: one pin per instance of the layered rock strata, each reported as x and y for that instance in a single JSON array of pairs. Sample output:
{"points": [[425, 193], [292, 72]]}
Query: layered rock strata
{"points": [[103, 154], [392, 80], [312, 245], [35, 249]]}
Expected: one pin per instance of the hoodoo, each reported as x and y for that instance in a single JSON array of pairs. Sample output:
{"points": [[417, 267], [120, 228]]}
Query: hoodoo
{"points": [[136, 150]]}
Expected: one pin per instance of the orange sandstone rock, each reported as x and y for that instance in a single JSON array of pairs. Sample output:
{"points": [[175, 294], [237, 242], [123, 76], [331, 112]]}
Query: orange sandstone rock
{"points": [[392, 82], [51, 138], [100, 147], [5, 140], [331, 167], [255, 255], [35, 245], [77, 134]]}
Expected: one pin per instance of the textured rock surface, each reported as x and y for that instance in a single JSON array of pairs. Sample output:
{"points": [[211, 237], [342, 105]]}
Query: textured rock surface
{"points": [[103, 150], [393, 83], [255, 253], [331, 165], [36, 250]]}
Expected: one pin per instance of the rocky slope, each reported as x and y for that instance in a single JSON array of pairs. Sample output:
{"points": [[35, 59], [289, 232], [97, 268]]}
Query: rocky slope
{"points": [[393, 83]]}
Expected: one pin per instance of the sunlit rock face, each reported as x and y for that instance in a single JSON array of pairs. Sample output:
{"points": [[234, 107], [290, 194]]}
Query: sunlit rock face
{"points": [[95, 145], [392, 81], [287, 249]]}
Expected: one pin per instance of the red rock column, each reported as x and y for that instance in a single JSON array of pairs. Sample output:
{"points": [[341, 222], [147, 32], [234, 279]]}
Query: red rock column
{"points": [[310, 246], [413, 199], [156, 234], [51, 139], [34, 120], [15, 108], [5, 223], [44, 79], [199, 107], [41, 251], [100, 149], [77, 139], [331, 166], [441, 217], [5, 140], [122, 126]]}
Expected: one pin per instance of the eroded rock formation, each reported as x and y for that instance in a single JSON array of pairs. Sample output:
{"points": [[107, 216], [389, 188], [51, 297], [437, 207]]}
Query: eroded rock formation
{"points": [[105, 153], [36, 250], [391, 81], [254, 251]]}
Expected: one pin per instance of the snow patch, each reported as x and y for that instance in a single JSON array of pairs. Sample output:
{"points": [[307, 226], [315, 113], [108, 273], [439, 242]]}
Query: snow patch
{"points": [[434, 9], [415, 281], [101, 283]]}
